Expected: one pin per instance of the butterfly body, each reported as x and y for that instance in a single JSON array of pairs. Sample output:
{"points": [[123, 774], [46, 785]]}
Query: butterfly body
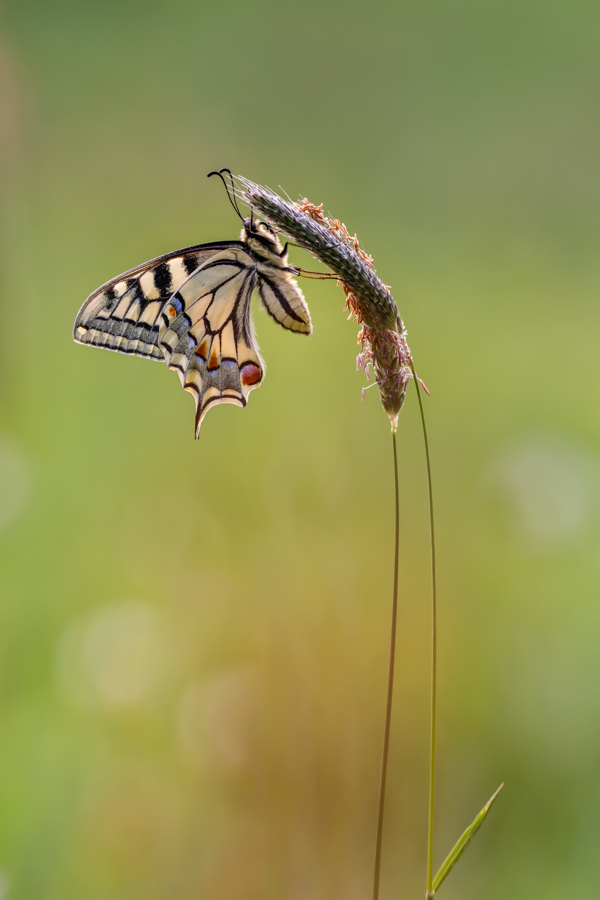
{"points": [[191, 309]]}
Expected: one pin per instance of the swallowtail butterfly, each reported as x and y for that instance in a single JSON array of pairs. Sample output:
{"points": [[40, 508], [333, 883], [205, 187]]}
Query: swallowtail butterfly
{"points": [[191, 309]]}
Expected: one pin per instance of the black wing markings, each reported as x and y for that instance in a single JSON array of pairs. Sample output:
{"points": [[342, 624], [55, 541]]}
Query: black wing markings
{"points": [[133, 327]]}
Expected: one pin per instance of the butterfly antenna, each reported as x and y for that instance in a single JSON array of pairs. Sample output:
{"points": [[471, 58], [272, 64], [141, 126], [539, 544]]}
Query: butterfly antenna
{"points": [[233, 195], [230, 194]]}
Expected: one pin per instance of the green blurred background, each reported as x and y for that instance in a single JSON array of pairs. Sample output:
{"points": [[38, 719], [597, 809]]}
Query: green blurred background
{"points": [[193, 635]]}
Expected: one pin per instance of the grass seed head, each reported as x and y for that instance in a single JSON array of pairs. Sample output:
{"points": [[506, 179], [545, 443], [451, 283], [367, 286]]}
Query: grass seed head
{"points": [[382, 336]]}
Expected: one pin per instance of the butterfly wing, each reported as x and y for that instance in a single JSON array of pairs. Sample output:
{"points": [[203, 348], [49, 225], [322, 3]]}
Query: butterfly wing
{"points": [[124, 314], [206, 332]]}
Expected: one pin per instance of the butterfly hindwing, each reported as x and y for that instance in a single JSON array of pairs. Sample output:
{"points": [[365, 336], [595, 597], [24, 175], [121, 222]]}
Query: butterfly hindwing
{"points": [[206, 332], [124, 314]]}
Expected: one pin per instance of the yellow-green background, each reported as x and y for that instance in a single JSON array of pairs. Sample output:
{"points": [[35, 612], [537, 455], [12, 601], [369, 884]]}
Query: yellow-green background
{"points": [[193, 635]]}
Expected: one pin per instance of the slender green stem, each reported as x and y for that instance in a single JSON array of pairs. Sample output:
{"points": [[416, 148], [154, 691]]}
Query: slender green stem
{"points": [[390, 688], [429, 893]]}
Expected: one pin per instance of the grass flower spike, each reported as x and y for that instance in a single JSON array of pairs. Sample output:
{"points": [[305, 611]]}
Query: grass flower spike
{"points": [[382, 336]]}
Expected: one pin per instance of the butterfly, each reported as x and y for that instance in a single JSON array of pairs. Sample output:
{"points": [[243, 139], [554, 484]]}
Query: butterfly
{"points": [[191, 309]]}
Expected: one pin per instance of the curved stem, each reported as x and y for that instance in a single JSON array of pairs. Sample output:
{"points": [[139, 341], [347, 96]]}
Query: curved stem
{"points": [[433, 648], [390, 688]]}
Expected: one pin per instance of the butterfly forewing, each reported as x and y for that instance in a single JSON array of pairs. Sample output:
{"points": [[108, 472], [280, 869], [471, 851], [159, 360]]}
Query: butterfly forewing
{"points": [[124, 314]]}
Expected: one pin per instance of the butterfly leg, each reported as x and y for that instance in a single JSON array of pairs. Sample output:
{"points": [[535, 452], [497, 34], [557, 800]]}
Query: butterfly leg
{"points": [[307, 273]]}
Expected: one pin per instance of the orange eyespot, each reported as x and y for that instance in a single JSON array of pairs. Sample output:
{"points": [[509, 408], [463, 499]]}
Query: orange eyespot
{"points": [[171, 311], [214, 360], [250, 374], [201, 351]]}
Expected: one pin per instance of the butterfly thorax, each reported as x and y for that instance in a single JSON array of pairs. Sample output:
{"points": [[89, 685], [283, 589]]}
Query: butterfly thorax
{"points": [[264, 244]]}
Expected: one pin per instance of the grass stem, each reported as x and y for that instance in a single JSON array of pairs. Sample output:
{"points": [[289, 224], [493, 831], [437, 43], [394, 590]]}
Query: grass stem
{"points": [[390, 688], [430, 819]]}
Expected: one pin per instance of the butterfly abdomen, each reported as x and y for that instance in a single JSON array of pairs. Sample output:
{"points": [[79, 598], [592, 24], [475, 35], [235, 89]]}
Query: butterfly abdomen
{"points": [[283, 299], [279, 291]]}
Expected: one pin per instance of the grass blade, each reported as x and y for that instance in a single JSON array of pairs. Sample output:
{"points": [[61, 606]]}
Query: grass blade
{"points": [[462, 843]]}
